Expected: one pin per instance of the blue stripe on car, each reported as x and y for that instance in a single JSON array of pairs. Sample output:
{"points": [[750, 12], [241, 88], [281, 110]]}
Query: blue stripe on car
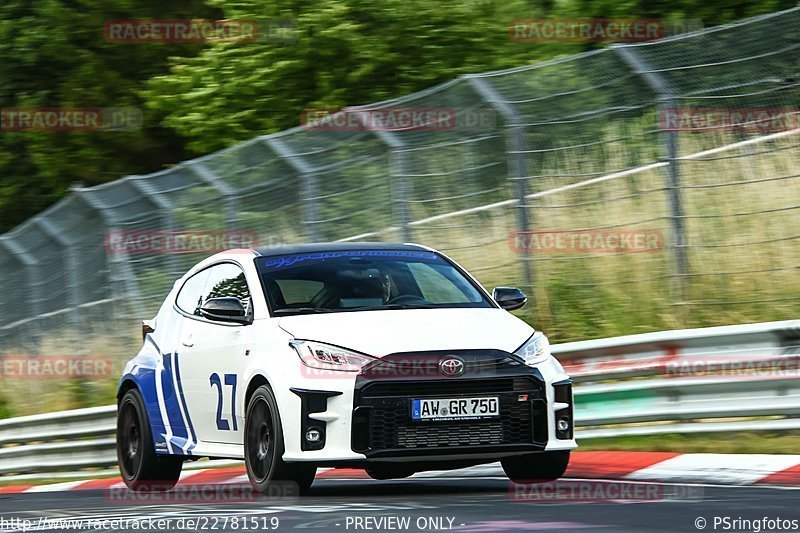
{"points": [[143, 376], [183, 403], [180, 436]]}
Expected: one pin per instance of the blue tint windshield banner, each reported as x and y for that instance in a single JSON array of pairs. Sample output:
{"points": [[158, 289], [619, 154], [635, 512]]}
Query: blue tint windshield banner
{"points": [[284, 261]]}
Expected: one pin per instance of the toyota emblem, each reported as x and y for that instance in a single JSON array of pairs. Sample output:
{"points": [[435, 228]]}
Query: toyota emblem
{"points": [[451, 367]]}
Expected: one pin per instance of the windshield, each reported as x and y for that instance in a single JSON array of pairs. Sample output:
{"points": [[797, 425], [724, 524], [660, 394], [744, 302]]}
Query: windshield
{"points": [[364, 280]]}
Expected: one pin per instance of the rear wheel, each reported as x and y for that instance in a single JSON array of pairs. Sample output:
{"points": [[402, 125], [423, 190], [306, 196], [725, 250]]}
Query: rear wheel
{"points": [[141, 468], [264, 448], [536, 467]]}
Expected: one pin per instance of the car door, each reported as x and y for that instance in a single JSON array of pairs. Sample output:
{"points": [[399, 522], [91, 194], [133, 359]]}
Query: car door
{"points": [[169, 385], [213, 357]]}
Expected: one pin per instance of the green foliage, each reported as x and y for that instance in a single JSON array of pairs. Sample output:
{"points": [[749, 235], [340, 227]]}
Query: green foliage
{"points": [[785, 442], [53, 54], [5, 409], [347, 52]]}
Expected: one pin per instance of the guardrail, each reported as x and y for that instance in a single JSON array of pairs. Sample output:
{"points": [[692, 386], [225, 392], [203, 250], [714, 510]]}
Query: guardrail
{"points": [[730, 378], [82, 438]]}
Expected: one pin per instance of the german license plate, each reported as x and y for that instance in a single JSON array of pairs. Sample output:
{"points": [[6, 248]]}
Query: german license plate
{"points": [[454, 408]]}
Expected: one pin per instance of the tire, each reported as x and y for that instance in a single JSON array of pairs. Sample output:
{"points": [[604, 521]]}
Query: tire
{"points": [[141, 468], [388, 472], [536, 467], [263, 450]]}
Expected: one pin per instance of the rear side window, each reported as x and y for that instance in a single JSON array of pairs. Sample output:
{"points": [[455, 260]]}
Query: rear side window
{"points": [[190, 297]]}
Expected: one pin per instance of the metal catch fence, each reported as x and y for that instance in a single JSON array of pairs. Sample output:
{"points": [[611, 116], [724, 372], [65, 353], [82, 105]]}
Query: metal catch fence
{"points": [[634, 188]]}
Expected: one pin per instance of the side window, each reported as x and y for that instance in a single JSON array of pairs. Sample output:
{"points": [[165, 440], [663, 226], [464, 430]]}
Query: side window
{"points": [[190, 296], [227, 280]]}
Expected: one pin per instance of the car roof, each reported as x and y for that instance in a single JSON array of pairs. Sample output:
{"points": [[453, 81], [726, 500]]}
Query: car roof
{"points": [[287, 249]]}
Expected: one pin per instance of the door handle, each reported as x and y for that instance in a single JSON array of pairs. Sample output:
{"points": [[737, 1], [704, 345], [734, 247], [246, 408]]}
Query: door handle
{"points": [[187, 341]]}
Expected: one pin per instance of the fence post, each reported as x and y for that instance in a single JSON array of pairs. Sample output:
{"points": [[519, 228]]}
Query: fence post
{"points": [[308, 185], [117, 263], [398, 188], [399, 193], [667, 96], [71, 265], [219, 185], [516, 146], [165, 209], [31, 270]]}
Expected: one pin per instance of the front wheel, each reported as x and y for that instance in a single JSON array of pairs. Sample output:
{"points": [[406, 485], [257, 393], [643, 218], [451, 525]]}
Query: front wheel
{"points": [[263, 449], [536, 467], [141, 468]]}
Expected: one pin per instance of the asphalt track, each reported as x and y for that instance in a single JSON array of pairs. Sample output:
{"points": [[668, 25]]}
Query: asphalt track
{"points": [[461, 504]]}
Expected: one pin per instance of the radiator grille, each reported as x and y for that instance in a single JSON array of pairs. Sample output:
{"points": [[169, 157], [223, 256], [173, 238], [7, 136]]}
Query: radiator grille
{"points": [[383, 420]]}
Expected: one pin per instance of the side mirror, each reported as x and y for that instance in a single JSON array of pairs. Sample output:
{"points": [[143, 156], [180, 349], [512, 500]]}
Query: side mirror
{"points": [[509, 298], [224, 310]]}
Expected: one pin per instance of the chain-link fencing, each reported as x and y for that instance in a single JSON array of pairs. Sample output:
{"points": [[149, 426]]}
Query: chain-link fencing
{"points": [[634, 188]]}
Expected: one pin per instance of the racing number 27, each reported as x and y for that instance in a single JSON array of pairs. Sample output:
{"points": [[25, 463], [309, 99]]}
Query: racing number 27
{"points": [[230, 380]]}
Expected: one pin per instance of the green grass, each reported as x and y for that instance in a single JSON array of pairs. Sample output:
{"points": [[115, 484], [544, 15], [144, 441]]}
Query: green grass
{"points": [[743, 255], [757, 442]]}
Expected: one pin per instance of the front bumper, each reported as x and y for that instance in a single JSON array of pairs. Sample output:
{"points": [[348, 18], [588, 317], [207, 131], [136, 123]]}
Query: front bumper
{"points": [[366, 418]]}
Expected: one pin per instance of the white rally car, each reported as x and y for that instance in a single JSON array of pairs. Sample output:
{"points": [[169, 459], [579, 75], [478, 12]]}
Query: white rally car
{"points": [[388, 357]]}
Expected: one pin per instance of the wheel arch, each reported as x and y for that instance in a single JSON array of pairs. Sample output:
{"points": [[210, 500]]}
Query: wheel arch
{"points": [[144, 383], [125, 385], [255, 382]]}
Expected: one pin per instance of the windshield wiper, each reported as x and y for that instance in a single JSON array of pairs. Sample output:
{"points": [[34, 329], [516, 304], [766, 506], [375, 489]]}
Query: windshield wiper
{"points": [[301, 310], [391, 307], [316, 310]]}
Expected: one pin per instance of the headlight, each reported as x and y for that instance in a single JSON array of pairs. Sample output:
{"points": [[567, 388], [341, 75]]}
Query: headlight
{"points": [[535, 350], [327, 357]]}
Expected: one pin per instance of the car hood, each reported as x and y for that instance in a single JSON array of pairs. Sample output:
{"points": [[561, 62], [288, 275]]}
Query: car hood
{"points": [[379, 333]]}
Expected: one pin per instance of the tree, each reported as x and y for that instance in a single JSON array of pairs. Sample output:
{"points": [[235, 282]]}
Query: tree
{"points": [[347, 52], [53, 54]]}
